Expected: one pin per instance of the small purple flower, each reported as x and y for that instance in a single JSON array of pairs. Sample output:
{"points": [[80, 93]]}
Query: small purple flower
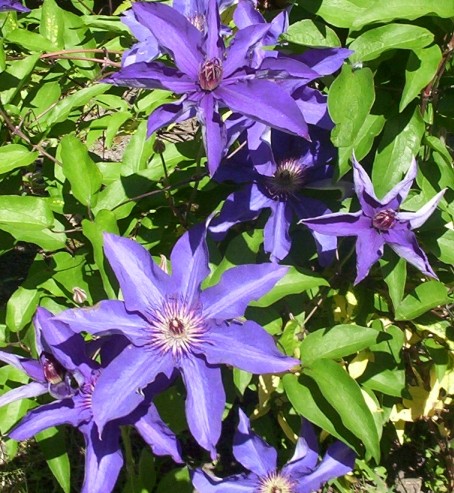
{"points": [[379, 223], [7, 5], [302, 474], [281, 171], [174, 325], [103, 457], [210, 76]]}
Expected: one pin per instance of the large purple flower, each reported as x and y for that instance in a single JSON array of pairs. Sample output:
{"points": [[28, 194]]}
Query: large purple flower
{"points": [[103, 457], [211, 76], [302, 474], [6, 5], [379, 223], [172, 324], [276, 177]]}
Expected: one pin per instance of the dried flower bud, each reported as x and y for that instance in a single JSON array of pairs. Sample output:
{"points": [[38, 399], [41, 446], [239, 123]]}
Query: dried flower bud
{"points": [[79, 295]]}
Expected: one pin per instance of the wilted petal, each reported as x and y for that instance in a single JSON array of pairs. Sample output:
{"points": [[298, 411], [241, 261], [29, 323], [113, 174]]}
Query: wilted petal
{"points": [[247, 346], [189, 259], [404, 243], [141, 280], [103, 459], [32, 389], [340, 224], [234, 484], [266, 102], [277, 240], [237, 287], [157, 434], [369, 248], [43, 417], [205, 401], [338, 461], [418, 218], [251, 451], [174, 32]]}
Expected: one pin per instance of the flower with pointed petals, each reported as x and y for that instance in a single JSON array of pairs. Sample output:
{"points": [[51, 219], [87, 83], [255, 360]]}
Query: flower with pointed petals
{"points": [[174, 325], [302, 474], [103, 458], [7, 5], [211, 76], [281, 170], [379, 223]]}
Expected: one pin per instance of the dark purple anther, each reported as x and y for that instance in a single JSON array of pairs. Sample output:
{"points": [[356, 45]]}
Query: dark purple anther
{"points": [[210, 74], [384, 220], [53, 371]]}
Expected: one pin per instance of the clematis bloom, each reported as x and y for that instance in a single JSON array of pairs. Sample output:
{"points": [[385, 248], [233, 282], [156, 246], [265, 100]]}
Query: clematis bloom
{"points": [[174, 325], [7, 5], [302, 474], [380, 222]]}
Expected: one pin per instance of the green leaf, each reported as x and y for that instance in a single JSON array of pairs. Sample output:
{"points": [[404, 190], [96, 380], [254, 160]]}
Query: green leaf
{"points": [[52, 24], [403, 9], [80, 170], [421, 68], [394, 271], [176, 480], [423, 298], [296, 281], [21, 307], [52, 443], [241, 380], [17, 212], [337, 342], [310, 33], [138, 151], [30, 40], [147, 471], [399, 145], [15, 77], [442, 246], [14, 156], [373, 43], [339, 13], [348, 401], [350, 99]]}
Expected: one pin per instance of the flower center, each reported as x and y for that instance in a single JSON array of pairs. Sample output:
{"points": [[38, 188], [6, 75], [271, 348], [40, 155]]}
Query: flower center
{"points": [[287, 180], [210, 74], [54, 372], [86, 390], [276, 483], [198, 21], [384, 220], [177, 327]]}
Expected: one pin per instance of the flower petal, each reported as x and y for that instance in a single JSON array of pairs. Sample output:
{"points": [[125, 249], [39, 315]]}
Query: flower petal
{"points": [[418, 218], [365, 190], [237, 287], [266, 102], [142, 282], [305, 457], [247, 346], [32, 389], [30, 366], [369, 248], [251, 450], [213, 43], [325, 61], [206, 483], [103, 459], [340, 224], [170, 113], [174, 32], [277, 240], [397, 195], [205, 401]]}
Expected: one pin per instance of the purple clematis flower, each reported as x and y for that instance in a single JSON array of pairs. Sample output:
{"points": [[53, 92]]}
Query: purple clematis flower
{"points": [[302, 474], [103, 458], [379, 223], [7, 5], [211, 76], [279, 174], [174, 325]]}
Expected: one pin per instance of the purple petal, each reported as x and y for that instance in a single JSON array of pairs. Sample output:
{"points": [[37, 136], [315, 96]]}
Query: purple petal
{"points": [[118, 390], [6, 5], [26, 391], [248, 347], [30, 366], [213, 131], [418, 218], [142, 282], [325, 61], [43, 417], [103, 459], [205, 401], [276, 234], [158, 435], [174, 32], [107, 317], [246, 15], [369, 248], [338, 461], [364, 189], [251, 450], [213, 42], [404, 243], [170, 113], [266, 102], [397, 195], [305, 457], [340, 224], [153, 75], [237, 287], [287, 67], [312, 104], [206, 483]]}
